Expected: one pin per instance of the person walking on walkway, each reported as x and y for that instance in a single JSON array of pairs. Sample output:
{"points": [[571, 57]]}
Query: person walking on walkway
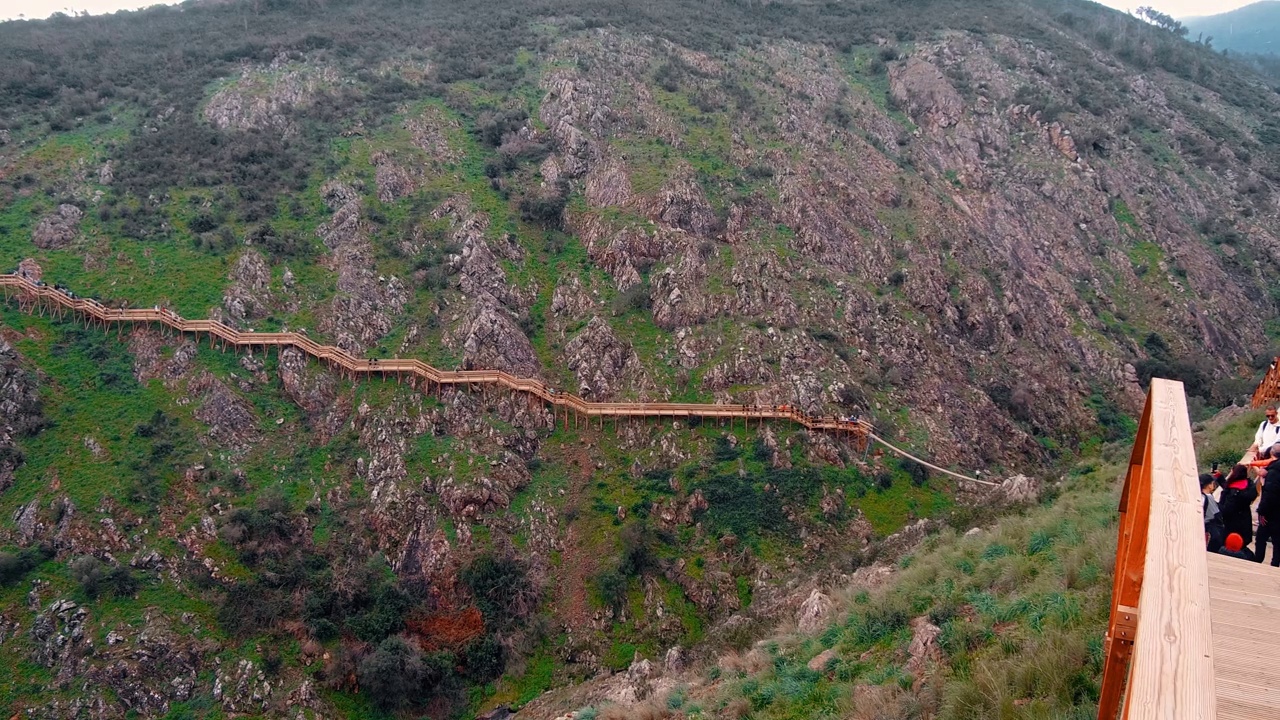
{"points": [[1269, 516], [1214, 530], [1238, 494], [1266, 441]]}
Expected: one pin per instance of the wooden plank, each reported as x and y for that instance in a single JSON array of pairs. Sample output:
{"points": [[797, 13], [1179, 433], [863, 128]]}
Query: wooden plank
{"points": [[1245, 692], [1239, 651], [1223, 566], [1229, 624], [1221, 586], [1173, 650]]}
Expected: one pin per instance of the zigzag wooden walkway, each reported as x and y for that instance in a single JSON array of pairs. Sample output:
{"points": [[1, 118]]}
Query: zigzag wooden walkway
{"points": [[40, 298]]}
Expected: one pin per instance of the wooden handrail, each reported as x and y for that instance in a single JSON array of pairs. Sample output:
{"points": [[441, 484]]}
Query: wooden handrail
{"points": [[1159, 650], [42, 295], [1268, 390]]}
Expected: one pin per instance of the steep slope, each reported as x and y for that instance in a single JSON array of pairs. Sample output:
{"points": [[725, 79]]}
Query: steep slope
{"points": [[1250, 29], [980, 225]]}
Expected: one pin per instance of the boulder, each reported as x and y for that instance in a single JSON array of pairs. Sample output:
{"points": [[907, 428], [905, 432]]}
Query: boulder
{"points": [[815, 612], [58, 229]]}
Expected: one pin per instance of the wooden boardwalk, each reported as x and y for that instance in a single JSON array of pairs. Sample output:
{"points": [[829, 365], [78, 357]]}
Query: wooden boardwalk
{"points": [[569, 409], [1192, 636], [1245, 602]]}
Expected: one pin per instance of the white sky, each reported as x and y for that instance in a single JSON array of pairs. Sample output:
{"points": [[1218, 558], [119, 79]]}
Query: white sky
{"points": [[10, 9]]}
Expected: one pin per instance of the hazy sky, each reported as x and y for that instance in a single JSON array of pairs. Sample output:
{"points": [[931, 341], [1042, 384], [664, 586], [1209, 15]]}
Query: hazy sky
{"points": [[10, 9]]}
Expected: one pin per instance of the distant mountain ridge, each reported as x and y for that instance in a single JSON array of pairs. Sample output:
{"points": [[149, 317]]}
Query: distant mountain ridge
{"points": [[1252, 29]]}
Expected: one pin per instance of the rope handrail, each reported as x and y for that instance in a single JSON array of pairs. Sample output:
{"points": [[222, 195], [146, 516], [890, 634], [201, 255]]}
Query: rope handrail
{"points": [[860, 430]]}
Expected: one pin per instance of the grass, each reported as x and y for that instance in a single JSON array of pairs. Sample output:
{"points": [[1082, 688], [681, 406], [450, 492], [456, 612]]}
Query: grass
{"points": [[1022, 608]]}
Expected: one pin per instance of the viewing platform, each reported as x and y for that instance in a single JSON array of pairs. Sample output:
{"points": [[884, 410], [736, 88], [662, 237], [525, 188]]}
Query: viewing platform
{"points": [[1192, 636]]}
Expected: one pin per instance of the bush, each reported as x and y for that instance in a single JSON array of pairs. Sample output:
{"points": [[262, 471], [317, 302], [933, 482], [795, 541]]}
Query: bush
{"points": [[635, 297], [384, 617], [483, 659], [87, 572], [725, 450], [919, 473], [249, 608], [501, 588], [392, 675], [612, 587], [15, 565]]}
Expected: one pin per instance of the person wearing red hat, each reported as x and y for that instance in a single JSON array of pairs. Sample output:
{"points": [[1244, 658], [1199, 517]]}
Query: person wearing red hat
{"points": [[1234, 547]]}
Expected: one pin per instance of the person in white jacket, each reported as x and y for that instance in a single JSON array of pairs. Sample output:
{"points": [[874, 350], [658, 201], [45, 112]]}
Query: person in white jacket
{"points": [[1268, 435]]}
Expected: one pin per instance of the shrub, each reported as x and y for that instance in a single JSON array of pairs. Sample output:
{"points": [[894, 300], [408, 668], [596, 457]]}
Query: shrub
{"points": [[15, 566], [392, 675], [501, 588], [87, 572], [483, 659], [612, 587], [725, 450], [635, 297], [919, 473]]}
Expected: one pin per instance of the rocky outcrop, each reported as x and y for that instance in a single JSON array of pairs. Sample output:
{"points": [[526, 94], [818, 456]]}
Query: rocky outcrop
{"points": [[491, 339], [58, 229], [248, 296], [924, 648], [263, 98], [394, 182], [230, 418], [604, 365], [490, 491], [30, 269], [363, 310], [430, 132], [315, 391], [151, 359], [815, 613], [20, 410], [681, 204], [924, 93]]}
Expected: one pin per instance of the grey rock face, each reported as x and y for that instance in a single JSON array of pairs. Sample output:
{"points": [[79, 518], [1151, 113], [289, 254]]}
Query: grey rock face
{"points": [[59, 229], [20, 410], [491, 338], [603, 364], [232, 422], [248, 296]]}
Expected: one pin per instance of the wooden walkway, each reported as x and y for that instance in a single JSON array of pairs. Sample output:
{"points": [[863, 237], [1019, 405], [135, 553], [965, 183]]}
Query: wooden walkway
{"points": [[1245, 602], [1192, 636], [568, 408]]}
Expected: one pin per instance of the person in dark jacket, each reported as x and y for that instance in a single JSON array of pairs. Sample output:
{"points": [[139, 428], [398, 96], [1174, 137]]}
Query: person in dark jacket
{"points": [[1238, 494], [1214, 530], [1269, 516], [1234, 547]]}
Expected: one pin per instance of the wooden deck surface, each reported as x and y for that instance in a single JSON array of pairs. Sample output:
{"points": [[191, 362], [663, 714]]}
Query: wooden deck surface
{"points": [[1245, 602]]}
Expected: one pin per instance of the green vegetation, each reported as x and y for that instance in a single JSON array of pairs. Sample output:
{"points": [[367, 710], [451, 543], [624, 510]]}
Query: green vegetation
{"points": [[304, 551]]}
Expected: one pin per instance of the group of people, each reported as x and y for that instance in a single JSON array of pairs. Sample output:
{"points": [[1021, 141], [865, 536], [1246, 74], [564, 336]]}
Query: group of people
{"points": [[1229, 514]]}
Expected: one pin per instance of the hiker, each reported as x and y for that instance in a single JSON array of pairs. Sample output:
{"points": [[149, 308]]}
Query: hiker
{"points": [[1234, 547], [1238, 494], [1214, 530], [1269, 516], [1264, 441]]}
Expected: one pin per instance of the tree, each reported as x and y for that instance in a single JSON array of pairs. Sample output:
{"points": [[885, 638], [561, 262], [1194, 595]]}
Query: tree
{"points": [[1161, 20]]}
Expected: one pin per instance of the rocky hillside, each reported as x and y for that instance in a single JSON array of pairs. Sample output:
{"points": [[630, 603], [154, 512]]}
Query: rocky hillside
{"points": [[983, 226]]}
